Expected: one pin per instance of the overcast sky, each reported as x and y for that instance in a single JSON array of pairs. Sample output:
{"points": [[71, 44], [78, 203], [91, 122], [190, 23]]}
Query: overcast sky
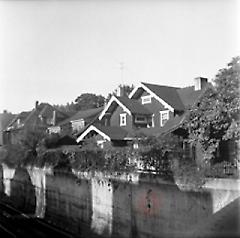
{"points": [[53, 51]]}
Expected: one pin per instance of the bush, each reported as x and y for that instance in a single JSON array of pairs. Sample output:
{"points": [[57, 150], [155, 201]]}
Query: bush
{"points": [[51, 141], [224, 169], [13, 155], [188, 173]]}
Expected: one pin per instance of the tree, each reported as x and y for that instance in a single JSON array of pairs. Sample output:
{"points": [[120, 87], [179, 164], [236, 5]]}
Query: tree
{"points": [[127, 89], [69, 108], [32, 139], [89, 100], [216, 117]]}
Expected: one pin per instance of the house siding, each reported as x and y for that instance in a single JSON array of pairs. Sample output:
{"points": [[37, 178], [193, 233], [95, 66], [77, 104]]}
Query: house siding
{"points": [[115, 119], [155, 107]]}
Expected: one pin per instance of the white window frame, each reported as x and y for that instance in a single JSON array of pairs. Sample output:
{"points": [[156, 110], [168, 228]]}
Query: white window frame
{"points": [[153, 124], [123, 119], [161, 115], [77, 125], [146, 99]]}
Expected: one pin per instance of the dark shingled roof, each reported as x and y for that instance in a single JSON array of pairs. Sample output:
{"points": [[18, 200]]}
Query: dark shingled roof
{"points": [[22, 116], [90, 113], [114, 132], [86, 113], [168, 94], [189, 95], [171, 125], [133, 105], [32, 118]]}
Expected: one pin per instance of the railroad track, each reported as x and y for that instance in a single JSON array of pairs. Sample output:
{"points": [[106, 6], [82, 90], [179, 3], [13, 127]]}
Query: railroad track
{"points": [[14, 223]]}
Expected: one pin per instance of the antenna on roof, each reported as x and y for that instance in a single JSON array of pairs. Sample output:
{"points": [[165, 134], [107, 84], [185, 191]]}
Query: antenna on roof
{"points": [[122, 68]]}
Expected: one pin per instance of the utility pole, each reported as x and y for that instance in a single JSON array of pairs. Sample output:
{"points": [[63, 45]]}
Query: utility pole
{"points": [[122, 68]]}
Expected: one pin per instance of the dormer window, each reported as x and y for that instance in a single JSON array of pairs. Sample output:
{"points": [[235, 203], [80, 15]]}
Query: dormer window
{"points": [[123, 119], [146, 99], [164, 116]]}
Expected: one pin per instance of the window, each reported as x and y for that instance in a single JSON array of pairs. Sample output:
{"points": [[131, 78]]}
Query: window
{"points": [[123, 119], [164, 116], [78, 125], [153, 121], [140, 119], [146, 99]]}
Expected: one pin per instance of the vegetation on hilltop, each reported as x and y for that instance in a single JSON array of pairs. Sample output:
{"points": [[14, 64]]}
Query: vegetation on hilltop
{"points": [[216, 117]]}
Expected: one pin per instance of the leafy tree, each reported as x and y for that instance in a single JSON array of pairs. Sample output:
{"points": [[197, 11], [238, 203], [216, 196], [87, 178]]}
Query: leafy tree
{"points": [[12, 155], [69, 108], [216, 117], [89, 100], [127, 89], [32, 140]]}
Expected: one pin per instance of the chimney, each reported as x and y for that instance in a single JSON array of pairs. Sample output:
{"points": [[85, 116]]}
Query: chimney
{"points": [[36, 104], [54, 118], [200, 83], [120, 91]]}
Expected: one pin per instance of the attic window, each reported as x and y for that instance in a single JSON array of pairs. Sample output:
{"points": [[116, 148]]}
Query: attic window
{"points": [[164, 116], [123, 119], [146, 99]]}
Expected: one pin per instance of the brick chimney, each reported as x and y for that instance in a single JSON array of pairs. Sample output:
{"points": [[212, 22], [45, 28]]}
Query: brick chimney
{"points": [[200, 83], [120, 91], [36, 104]]}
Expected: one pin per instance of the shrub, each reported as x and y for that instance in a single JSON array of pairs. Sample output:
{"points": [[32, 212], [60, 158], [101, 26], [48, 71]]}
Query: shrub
{"points": [[13, 155], [224, 169], [188, 173]]}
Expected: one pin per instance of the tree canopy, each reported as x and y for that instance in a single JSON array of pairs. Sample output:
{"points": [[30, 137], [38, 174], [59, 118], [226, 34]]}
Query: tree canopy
{"points": [[127, 89], [216, 117], [89, 100]]}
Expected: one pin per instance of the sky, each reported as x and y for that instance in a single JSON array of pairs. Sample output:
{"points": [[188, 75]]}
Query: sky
{"points": [[54, 50]]}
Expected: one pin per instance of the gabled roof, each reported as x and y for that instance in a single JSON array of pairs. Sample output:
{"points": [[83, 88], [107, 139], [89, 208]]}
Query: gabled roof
{"points": [[21, 116], [114, 132], [46, 110], [107, 132], [32, 118], [131, 106], [134, 105], [179, 99], [5, 119], [189, 95], [84, 114], [167, 94]]}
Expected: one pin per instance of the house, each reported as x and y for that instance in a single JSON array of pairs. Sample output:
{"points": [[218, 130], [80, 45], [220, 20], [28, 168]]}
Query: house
{"points": [[5, 119], [150, 109], [114, 135], [76, 123], [41, 117]]}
